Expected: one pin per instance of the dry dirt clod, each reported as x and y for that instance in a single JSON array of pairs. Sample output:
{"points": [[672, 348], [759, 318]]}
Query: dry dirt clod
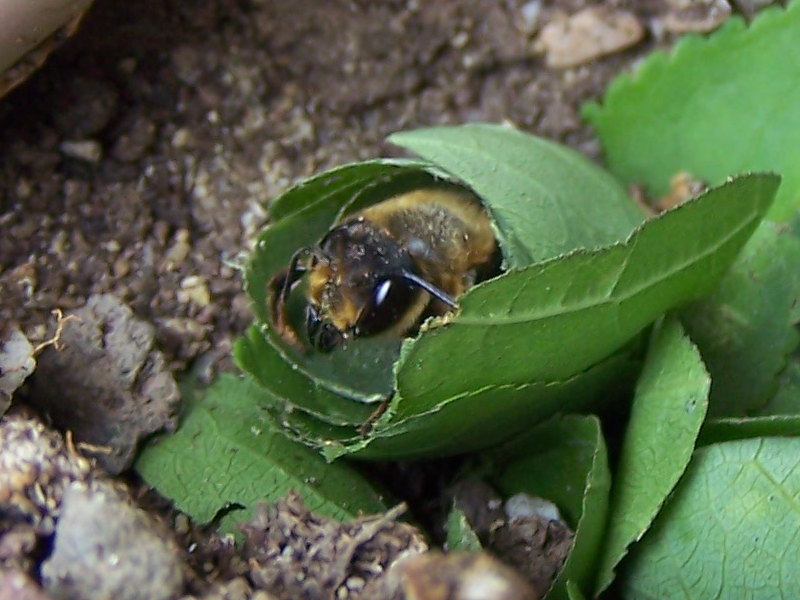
{"points": [[107, 548], [536, 545], [107, 384], [35, 468], [19, 586], [588, 34], [526, 532]]}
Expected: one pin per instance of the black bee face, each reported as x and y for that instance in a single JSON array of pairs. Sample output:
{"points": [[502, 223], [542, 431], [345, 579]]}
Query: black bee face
{"points": [[322, 335], [388, 302], [361, 290]]}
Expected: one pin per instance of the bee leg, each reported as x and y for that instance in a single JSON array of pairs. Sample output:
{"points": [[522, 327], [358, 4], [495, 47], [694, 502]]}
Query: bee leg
{"points": [[280, 286], [367, 426]]}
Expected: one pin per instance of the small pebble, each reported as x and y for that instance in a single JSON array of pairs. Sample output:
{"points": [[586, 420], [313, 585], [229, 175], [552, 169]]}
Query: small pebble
{"points": [[121, 267], [105, 547], [194, 289], [16, 362], [695, 17], [588, 34], [531, 12], [177, 252], [86, 150]]}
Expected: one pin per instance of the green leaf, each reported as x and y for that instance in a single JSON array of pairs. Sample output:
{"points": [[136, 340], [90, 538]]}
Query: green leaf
{"points": [[730, 529], [346, 181], [551, 321], [255, 355], [477, 420], [574, 592], [296, 390], [226, 453], [544, 198], [565, 461], [714, 107], [744, 328], [668, 409], [786, 401], [779, 417], [732, 428], [460, 534]]}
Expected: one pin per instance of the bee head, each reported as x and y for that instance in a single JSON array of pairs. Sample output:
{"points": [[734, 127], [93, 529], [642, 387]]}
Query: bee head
{"points": [[356, 286], [360, 283]]}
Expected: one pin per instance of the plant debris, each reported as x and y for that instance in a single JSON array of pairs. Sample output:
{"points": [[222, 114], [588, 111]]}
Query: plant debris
{"points": [[36, 467], [294, 553]]}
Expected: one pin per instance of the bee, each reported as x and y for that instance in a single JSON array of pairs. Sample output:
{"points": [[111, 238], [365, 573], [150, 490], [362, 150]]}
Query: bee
{"points": [[388, 266]]}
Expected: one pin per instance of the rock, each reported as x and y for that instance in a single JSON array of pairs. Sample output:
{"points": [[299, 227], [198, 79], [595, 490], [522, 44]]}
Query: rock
{"points": [[177, 253], [87, 150], [530, 12], [695, 17], [16, 363], [588, 34], [107, 548], [194, 290]]}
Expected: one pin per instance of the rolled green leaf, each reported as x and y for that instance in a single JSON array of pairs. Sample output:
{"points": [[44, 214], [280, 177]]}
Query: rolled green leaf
{"points": [[551, 333]]}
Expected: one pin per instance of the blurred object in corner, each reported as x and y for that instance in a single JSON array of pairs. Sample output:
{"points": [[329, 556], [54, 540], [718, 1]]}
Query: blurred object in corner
{"points": [[29, 31]]}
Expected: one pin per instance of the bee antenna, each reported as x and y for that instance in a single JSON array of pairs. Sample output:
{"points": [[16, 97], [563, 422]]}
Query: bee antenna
{"points": [[434, 291]]}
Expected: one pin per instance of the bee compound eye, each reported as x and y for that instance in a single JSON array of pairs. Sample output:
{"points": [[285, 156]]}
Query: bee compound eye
{"points": [[389, 301]]}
